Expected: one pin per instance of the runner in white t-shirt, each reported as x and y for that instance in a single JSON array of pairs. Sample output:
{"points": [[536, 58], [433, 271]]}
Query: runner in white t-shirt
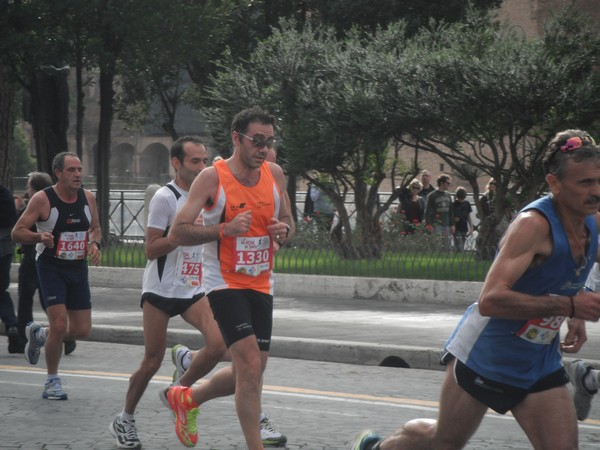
{"points": [[172, 286]]}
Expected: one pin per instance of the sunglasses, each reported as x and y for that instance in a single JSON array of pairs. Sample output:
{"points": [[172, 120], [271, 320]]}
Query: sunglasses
{"points": [[576, 142], [259, 141]]}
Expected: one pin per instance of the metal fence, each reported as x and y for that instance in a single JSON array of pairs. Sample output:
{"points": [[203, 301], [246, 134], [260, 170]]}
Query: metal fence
{"points": [[313, 251], [127, 219]]}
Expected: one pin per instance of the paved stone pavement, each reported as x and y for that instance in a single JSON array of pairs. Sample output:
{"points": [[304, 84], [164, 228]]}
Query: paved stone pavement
{"points": [[318, 405], [317, 402]]}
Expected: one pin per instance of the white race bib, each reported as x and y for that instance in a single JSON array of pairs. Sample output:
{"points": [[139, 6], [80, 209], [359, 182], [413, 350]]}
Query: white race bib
{"points": [[72, 245], [188, 268], [252, 255]]}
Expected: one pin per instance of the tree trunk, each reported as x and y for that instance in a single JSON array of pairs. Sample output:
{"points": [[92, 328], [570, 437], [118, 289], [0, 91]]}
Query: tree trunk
{"points": [[367, 221], [7, 126], [49, 110], [80, 108], [291, 190], [102, 155], [341, 234]]}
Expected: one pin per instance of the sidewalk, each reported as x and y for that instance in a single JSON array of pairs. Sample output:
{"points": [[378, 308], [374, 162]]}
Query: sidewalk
{"points": [[366, 321]]}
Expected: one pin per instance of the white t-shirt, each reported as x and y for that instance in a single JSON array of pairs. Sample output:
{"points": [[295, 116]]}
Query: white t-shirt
{"points": [[178, 274], [593, 280]]}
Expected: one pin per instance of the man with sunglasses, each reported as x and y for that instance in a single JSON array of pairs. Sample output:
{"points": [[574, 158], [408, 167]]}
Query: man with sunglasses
{"points": [[505, 352], [245, 212]]}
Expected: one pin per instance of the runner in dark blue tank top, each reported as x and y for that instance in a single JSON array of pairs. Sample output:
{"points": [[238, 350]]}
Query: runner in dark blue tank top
{"points": [[68, 232]]}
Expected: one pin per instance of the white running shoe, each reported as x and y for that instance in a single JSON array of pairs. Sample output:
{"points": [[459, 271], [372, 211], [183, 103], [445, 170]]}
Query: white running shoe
{"points": [[582, 397], [125, 432], [34, 345], [53, 390], [269, 435]]}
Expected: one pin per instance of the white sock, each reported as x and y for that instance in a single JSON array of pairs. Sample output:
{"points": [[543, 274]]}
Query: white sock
{"points": [[186, 360], [126, 417]]}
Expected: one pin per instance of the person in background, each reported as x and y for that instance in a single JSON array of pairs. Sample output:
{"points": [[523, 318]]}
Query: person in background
{"points": [[493, 223], [19, 202], [505, 353], [412, 206], [427, 187], [68, 232], [28, 277], [439, 211], [323, 210], [488, 202], [8, 217], [463, 225], [309, 207]]}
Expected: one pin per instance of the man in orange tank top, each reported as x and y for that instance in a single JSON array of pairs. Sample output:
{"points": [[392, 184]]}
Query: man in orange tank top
{"points": [[245, 213]]}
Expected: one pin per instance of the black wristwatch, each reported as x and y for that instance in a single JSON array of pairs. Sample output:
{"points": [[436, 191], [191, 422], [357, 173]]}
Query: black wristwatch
{"points": [[97, 244], [287, 230]]}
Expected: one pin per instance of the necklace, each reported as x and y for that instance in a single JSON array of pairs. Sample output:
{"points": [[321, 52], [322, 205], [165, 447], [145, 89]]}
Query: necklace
{"points": [[578, 242], [581, 241], [584, 258]]}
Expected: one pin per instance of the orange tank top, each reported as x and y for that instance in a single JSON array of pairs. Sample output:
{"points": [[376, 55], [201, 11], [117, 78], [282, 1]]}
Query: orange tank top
{"points": [[245, 262]]}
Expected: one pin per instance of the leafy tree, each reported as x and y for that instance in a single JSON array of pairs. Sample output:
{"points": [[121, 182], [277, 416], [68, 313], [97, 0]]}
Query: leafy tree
{"points": [[370, 15], [330, 115], [480, 96], [31, 39], [487, 101], [177, 42]]}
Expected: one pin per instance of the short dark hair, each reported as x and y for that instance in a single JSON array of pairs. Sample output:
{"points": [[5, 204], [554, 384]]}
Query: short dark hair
{"points": [[39, 181], [58, 163], [560, 150], [177, 146], [461, 193], [255, 114], [442, 179]]}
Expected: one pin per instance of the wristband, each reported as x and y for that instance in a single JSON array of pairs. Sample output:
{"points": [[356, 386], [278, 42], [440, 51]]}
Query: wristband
{"points": [[221, 230], [97, 244], [572, 307], [287, 230]]}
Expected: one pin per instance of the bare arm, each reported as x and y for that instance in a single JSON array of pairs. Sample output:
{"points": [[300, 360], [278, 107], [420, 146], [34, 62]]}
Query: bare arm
{"points": [[576, 336], [278, 229], [185, 230], [526, 242], [156, 244], [38, 208]]}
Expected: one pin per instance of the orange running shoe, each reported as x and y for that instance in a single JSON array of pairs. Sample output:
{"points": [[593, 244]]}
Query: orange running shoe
{"points": [[186, 410]]}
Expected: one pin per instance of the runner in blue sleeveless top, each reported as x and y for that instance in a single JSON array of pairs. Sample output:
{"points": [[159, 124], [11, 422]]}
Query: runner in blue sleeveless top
{"points": [[505, 352]]}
